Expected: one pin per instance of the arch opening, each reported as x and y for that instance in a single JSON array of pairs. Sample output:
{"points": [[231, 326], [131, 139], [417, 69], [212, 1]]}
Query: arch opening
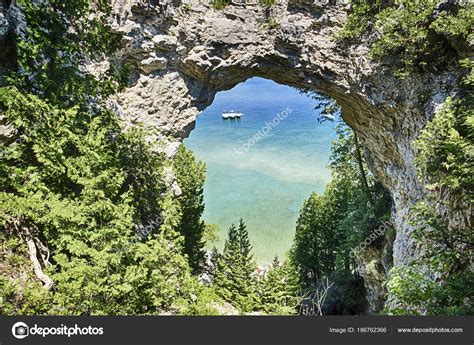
{"points": [[262, 166]]}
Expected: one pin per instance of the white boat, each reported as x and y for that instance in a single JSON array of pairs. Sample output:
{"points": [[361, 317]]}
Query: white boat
{"points": [[231, 114], [329, 117]]}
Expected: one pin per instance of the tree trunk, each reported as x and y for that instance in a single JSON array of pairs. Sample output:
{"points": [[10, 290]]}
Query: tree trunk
{"points": [[363, 176]]}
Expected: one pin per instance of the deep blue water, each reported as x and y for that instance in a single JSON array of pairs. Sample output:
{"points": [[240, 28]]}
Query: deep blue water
{"points": [[268, 181]]}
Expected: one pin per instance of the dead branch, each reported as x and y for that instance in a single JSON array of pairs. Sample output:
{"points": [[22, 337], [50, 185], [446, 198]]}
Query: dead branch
{"points": [[312, 301], [34, 244]]}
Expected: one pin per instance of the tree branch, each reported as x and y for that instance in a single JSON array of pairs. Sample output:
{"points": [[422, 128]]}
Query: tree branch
{"points": [[32, 243]]}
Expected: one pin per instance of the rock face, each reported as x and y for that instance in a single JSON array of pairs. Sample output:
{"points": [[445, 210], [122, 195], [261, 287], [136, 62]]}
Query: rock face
{"points": [[7, 132], [185, 54], [374, 263], [3, 23], [4, 32], [182, 54]]}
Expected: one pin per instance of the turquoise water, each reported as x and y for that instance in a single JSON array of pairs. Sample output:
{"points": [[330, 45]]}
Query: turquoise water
{"points": [[268, 181]]}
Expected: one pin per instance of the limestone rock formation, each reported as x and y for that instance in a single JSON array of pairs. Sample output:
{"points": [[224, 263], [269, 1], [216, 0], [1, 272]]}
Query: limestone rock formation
{"points": [[203, 51], [184, 52]]}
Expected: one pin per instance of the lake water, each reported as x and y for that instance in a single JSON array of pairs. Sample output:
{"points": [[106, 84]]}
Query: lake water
{"points": [[264, 180]]}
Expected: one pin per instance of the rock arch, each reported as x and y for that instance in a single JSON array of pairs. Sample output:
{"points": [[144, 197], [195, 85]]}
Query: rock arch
{"points": [[183, 56]]}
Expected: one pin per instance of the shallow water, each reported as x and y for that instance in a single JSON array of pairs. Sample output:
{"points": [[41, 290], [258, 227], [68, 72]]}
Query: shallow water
{"points": [[265, 180]]}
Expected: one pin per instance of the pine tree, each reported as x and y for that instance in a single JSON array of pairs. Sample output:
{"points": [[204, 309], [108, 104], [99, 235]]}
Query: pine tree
{"points": [[248, 263], [74, 185], [226, 274], [190, 176], [248, 298], [314, 248], [235, 270], [279, 289]]}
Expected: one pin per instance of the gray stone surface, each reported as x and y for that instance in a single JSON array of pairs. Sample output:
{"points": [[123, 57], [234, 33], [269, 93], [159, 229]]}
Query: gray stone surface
{"points": [[292, 43], [182, 56]]}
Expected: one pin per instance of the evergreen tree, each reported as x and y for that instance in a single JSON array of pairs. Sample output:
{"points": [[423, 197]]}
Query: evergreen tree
{"points": [[74, 186], [279, 289], [314, 246], [190, 176], [214, 256], [235, 270], [227, 268], [332, 224], [248, 264]]}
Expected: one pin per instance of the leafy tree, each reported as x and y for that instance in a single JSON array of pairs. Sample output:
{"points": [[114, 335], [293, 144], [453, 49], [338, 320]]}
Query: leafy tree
{"points": [[314, 245], [331, 225], [415, 293]]}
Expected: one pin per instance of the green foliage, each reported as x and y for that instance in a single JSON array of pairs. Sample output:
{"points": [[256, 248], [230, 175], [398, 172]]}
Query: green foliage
{"points": [[220, 4], [411, 288], [405, 32], [82, 186], [211, 234], [415, 293], [358, 21], [456, 23], [445, 161], [190, 176], [20, 294], [235, 270], [59, 37], [139, 278], [279, 289], [445, 164], [315, 243], [144, 174], [414, 35], [448, 249], [331, 225], [445, 149], [267, 3], [69, 178], [203, 302]]}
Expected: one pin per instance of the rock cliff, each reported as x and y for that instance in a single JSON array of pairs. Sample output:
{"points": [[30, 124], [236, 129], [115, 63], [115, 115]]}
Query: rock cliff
{"points": [[184, 52]]}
